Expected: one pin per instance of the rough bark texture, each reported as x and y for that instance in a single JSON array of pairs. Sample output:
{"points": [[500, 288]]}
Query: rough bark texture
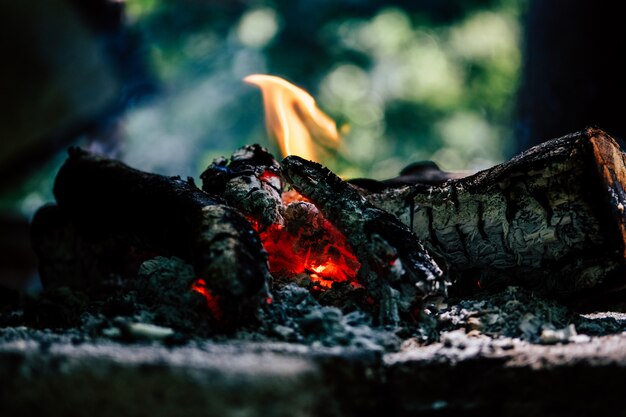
{"points": [[550, 219], [106, 201], [249, 181], [395, 267]]}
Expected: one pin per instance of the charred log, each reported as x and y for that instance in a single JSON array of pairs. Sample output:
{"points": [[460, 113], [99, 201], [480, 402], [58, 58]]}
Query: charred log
{"points": [[301, 243], [423, 172], [111, 207], [249, 181], [65, 258], [395, 268], [551, 219]]}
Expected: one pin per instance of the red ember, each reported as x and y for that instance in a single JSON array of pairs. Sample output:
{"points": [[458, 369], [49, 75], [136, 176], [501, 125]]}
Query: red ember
{"points": [[212, 300], [316, 247], [292, 195]]}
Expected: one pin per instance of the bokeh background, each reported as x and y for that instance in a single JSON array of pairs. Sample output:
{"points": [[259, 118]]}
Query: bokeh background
{"points": [[408, 80], [412, 79], [157, 83]]}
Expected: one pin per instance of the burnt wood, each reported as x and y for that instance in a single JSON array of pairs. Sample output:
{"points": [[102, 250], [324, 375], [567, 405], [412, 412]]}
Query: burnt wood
{"points": [[395, 268], [249, 181], [106, 201], [551, 219]]}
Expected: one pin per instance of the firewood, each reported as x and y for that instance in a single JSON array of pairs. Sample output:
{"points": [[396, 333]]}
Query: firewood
{"points": [[551, 219], [66, 259], [395, 268], [299, 240], [107, 200], [249, 181]]}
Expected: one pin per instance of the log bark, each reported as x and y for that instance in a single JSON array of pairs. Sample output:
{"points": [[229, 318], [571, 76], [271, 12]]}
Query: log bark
{"points": [[107, 201], [551, 219]]}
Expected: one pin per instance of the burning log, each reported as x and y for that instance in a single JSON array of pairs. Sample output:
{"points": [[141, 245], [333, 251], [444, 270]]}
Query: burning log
{"points": [[106, 201], [298, 238], [328, 243], [551, 219], [395, 268]]}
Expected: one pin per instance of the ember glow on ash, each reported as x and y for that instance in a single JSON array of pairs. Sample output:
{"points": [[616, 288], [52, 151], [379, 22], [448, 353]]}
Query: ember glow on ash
{"points": [[293, 118], [212, 300], [291, 196], [326, 260], [308, 244]]}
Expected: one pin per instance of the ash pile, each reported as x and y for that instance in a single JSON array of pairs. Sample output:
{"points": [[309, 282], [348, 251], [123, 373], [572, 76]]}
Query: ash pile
{"points": [[289, 251]]}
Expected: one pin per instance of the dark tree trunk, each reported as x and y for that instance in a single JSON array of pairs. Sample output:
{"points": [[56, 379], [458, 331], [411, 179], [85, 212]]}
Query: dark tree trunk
{"points": [[573, 71]]}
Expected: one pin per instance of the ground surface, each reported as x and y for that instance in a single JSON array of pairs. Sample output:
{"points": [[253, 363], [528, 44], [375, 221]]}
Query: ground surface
{"points": [[49, 373], [504, 353]]}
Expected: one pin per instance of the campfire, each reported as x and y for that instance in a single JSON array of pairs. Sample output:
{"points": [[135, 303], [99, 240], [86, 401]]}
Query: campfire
{"points": [[239, 249], [400, 275], [254, 226]]}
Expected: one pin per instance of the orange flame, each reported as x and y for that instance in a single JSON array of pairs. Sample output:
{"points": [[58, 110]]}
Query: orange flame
{"points": [[293, 118]]}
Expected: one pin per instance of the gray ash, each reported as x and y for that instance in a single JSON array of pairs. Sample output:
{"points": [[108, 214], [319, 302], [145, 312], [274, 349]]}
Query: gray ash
{"points": [[514, 313], [250, 181], [296, 316], [159, 305]]}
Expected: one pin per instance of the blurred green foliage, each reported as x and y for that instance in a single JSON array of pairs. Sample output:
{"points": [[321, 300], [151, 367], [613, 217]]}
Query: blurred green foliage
{"points": [[413, 80]]}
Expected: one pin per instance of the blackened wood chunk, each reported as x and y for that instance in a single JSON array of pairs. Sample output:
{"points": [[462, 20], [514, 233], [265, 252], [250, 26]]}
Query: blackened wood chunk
{"points": [[66, 259], [395, 268], [105, 200], [422, 172], [249, 181], [551, 219]]}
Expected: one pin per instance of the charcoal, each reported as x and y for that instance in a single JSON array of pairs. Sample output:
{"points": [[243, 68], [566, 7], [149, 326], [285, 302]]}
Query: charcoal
{"points": [[395, 268], [422, 172], [249, 181], [107, 201]]}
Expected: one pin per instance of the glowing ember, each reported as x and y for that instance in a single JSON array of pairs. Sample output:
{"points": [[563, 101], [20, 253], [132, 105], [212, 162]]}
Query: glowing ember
{"points": [[292, 195], [292, 117], [212, 300], [288, 255], [314, 246]]}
